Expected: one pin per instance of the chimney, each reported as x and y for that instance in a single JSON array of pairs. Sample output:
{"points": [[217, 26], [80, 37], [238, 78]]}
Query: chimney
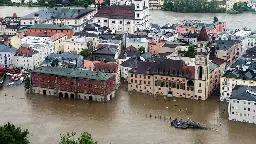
{"points": [[134, 70]]}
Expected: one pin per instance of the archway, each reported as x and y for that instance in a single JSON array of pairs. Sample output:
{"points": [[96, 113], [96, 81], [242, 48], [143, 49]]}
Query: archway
{"points": [[72, 96], [60, 94], [199, 98], [66, 95], [200, 72]]}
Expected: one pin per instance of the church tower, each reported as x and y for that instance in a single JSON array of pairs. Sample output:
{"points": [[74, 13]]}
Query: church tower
{"points": [[202, 67]]}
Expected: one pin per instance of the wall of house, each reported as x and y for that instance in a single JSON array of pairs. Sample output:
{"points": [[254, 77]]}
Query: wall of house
{"points": [[124, 72], [160, 85], [141, 83], [59, 44], [214, 79], [126, 25], [242, 110], [68, 32], [6, 56], [74, 47], [27, 22], [28, 63]]}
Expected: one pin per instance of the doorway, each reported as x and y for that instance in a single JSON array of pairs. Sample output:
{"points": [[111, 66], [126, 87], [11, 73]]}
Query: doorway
{"points": [[72, 96], [66, 95], [60, 94], [90, 97], [44, 92]]}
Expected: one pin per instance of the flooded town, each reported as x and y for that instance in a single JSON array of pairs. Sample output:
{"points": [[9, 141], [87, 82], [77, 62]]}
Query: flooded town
{"points": [[121, 72]]}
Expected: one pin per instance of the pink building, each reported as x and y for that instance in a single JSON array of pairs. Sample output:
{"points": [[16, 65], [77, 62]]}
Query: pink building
{"points": [[228, 50], [211, 28]]}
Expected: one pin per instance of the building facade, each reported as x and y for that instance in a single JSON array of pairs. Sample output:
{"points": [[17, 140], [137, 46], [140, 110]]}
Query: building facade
{"points": [[58, 42], [228, 50], [38, 29], [6, 55], [124, 18], [27, 58], [242, 104], [75, 18], [73, 83], [75, 44]]}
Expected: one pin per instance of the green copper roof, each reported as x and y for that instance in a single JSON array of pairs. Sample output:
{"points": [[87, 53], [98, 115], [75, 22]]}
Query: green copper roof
{"points": [[77, 73], [49, 26]]}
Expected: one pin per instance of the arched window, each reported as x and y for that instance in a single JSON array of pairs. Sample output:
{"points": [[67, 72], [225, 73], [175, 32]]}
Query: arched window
{"points": [[200, 72]]}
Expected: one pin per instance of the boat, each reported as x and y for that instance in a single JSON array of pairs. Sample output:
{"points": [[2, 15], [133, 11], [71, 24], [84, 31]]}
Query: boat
{"points": [[186, 125]]}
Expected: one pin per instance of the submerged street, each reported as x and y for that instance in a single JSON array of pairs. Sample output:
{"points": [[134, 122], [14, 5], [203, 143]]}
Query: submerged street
{"points": [[124, 120]]}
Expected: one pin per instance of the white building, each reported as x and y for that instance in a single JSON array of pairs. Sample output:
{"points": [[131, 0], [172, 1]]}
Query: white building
{"points": [[75, 44], [127, 65], [242, 104], [124, 18], [27, 58], [6, 55], [44, 45], [251, 41], [240, 73], [76, 18]]}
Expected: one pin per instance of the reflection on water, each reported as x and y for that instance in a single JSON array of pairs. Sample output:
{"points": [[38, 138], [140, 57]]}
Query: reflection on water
{"points": [[124, 120]]}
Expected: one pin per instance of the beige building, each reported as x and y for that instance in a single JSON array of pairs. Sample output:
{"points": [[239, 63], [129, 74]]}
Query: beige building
{"points": [[75, 44], [228, 50], [174, 78], [16, 40], [58, 42]]}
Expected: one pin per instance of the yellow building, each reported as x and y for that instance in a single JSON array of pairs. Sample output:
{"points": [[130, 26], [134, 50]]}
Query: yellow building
{"points": [[16, 40]]}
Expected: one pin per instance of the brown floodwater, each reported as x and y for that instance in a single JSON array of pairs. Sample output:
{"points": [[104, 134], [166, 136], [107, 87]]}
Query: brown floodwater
{"points": [[122, 120]]}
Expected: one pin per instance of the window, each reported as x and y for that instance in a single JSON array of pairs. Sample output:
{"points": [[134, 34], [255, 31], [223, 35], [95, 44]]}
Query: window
{"points": [[113, 22], [128, 22], [121, 22], [249, 109], [138, 15], [199, 84], [98, 20], [105, 20], [131, 75]]}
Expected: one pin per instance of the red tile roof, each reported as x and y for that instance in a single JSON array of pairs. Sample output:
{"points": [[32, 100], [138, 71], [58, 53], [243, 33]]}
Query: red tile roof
{"points": [[218, 61], [40, 34], [126, 12], [109, 67], [189, 71], [25, 51]]}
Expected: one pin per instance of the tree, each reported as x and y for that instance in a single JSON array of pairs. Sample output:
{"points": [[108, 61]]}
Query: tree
{"points": [[215, 19], [142, 49], [191, 52], [9, 134], [86, 52], [85, 138]]}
